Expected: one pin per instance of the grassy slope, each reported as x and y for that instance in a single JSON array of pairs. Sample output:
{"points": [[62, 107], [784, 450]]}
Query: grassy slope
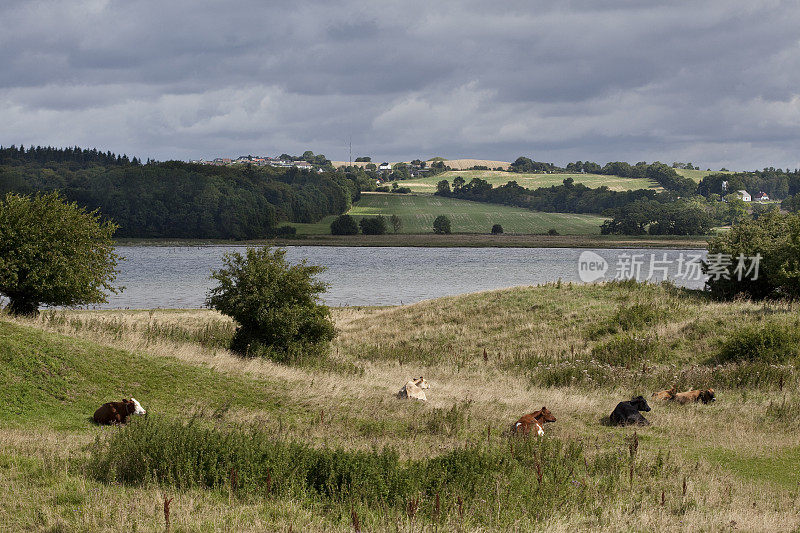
{"points": [[530, 181], [417, 213], [743, 472]]}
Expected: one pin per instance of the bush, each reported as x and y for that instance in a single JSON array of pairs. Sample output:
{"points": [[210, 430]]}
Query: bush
{"points": [[373, 225], [497, 229], [769, 342], [53, 252], [552, 231], [275, 304], [776, 238], [344, 225], [441, 225]]}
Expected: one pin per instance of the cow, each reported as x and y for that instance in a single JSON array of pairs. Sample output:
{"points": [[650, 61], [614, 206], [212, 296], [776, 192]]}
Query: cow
{"points": [[627, 413], [692, 396], [414, 388], [665, 394], [535, 420], [118, 412]]}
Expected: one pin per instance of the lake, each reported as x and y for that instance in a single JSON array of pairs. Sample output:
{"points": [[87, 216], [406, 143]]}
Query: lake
{"points": [[178, 277]]}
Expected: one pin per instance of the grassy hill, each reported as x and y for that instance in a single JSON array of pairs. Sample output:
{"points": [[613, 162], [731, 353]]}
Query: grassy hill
{"points": [[530, 181], [417, 213], [576, 349]]}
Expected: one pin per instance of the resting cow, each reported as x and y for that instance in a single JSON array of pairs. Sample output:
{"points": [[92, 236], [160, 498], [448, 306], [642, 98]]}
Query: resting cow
{"points": [[692, 396], [665, 394], [118, 412], [415, 389], [627, 413], [535, 420]]}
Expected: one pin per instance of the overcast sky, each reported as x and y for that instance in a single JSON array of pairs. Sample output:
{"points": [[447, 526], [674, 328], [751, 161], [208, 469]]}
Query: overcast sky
{"points": [[715, 83]]}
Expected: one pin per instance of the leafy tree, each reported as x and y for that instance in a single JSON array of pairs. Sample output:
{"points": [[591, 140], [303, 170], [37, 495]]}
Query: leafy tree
{"points": [[497, 229], [792, 203], [396, 223], [441, 225], [458, 182], [366, 159], [371, 166], [53, 252], [344, 225], [776, 239], [443, 188], [373, 225], [275, 304]]}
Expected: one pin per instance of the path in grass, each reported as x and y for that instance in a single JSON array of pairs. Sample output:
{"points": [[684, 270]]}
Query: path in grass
{"points": [[530, 181], [418, 211]]}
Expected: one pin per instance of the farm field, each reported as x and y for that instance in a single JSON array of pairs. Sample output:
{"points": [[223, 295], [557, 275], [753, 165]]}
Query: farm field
{"points": [[530, 181], [576, 349], [417, 213]]}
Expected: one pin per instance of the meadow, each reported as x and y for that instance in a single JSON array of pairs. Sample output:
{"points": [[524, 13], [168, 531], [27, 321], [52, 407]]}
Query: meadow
{"points": [[418, 211], [250, 445], [529, 181]]}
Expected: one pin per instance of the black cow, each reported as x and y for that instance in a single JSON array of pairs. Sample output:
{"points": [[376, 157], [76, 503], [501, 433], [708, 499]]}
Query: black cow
{"points": [[627, 413]]}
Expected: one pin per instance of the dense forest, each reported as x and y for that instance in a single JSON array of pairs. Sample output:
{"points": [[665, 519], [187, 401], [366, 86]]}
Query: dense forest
{"points": [[175, 199]]}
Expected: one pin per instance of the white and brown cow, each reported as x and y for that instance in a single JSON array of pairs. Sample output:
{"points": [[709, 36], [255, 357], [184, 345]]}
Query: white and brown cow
{"points": [[118, 412], [415, 388]]}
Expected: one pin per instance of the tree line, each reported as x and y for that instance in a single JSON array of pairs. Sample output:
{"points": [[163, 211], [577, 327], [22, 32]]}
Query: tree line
{"points": [[179, 200]]}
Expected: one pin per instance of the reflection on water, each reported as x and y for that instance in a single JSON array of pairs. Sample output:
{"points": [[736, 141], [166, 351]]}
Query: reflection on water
{"points": [[178, 277]]}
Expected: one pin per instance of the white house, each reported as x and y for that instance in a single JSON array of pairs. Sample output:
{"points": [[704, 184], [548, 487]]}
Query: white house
{"points": [[385, 166], [744, 195]]}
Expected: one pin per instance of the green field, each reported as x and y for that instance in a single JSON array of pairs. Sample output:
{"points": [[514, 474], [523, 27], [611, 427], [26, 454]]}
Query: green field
{"points": [[417, 212], [529, 181], [697, 175], [251, 445]]}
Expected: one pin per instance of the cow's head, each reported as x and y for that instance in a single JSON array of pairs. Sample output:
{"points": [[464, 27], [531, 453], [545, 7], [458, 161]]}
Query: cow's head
{"points": [[421, 383], [707, 396], [137, 407], [640, 404], [546, 415]]}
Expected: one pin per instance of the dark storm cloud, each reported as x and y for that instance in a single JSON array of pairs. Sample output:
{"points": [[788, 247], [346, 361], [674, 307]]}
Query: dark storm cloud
{"points": [[714, 83]]}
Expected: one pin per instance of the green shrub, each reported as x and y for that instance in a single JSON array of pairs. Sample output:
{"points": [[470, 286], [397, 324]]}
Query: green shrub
{"points": [[275, 304], [441, 225], [344, 225], [497, 229], [768, 342], [373, 225]]}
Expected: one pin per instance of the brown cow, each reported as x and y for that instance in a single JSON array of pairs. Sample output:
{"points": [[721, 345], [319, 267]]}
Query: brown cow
{"points": [[692, 396], [118, 412], [534, 420], [665, 394]]}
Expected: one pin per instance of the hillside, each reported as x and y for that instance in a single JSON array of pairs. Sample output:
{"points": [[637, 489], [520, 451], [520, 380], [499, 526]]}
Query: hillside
{"points": [[417, 213], [530, 181], [576, 349]]}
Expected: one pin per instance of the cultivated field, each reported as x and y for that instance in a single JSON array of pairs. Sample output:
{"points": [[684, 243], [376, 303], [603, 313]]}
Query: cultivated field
{"points": [[530, 181], [248, 445], [417, 213]]}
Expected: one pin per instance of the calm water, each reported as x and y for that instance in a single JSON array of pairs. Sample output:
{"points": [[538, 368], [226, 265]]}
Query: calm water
{"points": [[178, 277]]}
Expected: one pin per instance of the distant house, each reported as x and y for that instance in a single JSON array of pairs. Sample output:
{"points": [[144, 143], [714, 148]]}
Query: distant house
{"points": [[385, 166], [303, 164], [744, 195], [761, 197]]}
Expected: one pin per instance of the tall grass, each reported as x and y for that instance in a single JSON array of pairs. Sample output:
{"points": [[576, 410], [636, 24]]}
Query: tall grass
{"points": [[494, 486]]}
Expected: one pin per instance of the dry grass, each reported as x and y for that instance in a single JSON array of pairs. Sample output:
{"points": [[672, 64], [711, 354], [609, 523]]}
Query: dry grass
{"points": [[741, 468]]}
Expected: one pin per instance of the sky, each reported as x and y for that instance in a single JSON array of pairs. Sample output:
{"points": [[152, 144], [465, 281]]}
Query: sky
{"points": [[715, 83]]}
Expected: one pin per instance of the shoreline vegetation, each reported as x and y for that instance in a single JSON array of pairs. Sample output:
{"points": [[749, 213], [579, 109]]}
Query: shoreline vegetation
{"points": [[456, 240], [246, 444]]}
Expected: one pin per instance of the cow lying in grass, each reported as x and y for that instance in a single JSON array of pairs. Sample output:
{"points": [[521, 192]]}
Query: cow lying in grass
{"points": [[533, 421], [118, 412], [627, 413], [415, 389], [692, 396], [665, 394]]}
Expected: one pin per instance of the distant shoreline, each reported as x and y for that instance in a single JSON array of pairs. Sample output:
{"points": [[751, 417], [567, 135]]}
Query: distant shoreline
{"points": [[459, 240]]}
